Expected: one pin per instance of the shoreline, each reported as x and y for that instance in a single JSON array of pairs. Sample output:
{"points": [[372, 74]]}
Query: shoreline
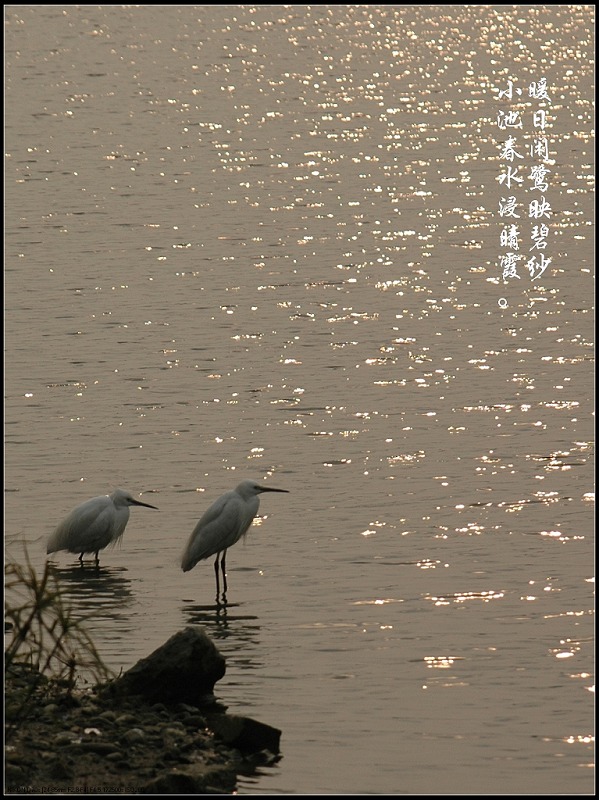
{"points": [[106, 741]]}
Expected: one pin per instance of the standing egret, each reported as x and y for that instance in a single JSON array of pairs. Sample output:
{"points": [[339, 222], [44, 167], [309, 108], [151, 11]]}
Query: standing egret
{"points": [[95, 524], [225, 522]]}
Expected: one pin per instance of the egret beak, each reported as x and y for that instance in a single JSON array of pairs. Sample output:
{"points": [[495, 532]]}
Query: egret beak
{"points": [[145, 505], [270, 489]]}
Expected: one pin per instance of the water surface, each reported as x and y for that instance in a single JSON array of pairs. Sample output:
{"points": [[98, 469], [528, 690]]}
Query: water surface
{"points": [[264, 242]]}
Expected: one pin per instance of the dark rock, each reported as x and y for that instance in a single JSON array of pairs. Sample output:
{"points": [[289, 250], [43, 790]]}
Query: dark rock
{"points": [[126, 719], [246, 734], [64, 738], [183, 670], [133, 736], [101, 748], [195, 779], [13, 773], [59, 769], [194, 721]]}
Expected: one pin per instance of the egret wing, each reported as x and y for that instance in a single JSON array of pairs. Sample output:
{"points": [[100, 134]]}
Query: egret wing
{"points": [[86, 529], [219, 528]]}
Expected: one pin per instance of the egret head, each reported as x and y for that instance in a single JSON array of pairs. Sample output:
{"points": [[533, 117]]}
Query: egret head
{"points": [[249, 489], [121, 498]]}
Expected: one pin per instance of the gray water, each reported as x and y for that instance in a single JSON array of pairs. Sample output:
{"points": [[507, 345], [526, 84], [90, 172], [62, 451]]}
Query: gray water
{"points": [[264, 242]]}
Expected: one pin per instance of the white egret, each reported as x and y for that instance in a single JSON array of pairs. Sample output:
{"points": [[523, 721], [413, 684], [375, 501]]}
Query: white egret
{"points": [[223, 524], [93, 525]]}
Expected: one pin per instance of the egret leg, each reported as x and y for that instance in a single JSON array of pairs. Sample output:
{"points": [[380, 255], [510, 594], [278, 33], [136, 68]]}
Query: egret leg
{"points": [[97, 557], [223, 567], [216, 573], [81, 558]]}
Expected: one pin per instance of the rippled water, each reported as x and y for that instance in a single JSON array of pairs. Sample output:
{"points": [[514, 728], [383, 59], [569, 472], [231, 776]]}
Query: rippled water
{"points": [[264, 242]]}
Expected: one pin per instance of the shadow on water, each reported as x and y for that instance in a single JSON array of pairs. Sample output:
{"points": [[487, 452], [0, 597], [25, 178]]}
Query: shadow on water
{"points": [[94, 590], [102, 599], [235, 634]]}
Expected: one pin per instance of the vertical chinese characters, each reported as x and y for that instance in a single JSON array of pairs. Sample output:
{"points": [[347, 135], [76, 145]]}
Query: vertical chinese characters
{"points": [[525, 231]]}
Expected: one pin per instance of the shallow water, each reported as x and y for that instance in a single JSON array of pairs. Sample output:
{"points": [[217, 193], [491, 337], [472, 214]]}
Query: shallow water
{"points": [[263, 242]]}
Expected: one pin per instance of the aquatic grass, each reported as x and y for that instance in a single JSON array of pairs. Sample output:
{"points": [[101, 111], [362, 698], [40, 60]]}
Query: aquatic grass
{"points": [[49, 645]]}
